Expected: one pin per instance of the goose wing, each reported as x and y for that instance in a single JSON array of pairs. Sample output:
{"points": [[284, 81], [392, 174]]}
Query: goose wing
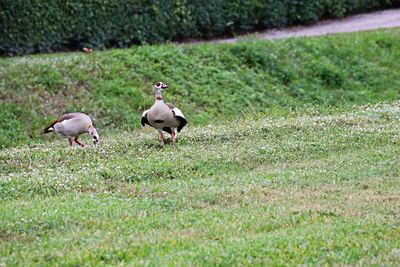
{"points": [[64, 117], [178, 114], [144, 120]]}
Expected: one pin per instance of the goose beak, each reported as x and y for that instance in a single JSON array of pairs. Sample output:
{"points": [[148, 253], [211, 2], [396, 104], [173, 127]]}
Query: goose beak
{"points": [[95, 140], [164, 86]]}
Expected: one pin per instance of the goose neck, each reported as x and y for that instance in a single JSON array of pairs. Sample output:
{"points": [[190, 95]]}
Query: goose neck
{"points": [[157, 94]]}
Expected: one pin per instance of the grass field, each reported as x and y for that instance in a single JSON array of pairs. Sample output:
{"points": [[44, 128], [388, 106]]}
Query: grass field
{"points": [[291, 156], [213, 81], [301, 188]]}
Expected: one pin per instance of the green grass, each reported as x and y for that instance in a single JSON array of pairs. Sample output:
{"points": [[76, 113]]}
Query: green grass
{"points": [[218, 81], [320, 188], [300, 165]]}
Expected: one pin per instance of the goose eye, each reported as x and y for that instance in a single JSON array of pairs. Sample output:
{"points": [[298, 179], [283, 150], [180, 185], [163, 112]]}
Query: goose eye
{"points": [[157, 84]]}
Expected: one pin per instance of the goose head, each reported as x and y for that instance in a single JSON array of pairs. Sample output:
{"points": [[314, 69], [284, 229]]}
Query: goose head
{"points": [[94, 134], [158, 86]]}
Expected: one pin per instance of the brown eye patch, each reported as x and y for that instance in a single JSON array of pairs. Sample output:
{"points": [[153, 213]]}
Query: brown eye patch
{"points": [[157, 84]]}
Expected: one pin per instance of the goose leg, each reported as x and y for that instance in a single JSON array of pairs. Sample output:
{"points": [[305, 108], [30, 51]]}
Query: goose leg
{"points": [[79, 143], [70, 141], [173, 138], [161, 137]]}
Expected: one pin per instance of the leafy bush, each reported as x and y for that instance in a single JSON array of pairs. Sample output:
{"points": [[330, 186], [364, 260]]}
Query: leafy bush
{"points": [[29, 26]]}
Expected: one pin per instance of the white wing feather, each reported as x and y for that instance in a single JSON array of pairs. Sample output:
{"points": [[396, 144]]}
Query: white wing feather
{"points": [[144, 113], [178, 113]]}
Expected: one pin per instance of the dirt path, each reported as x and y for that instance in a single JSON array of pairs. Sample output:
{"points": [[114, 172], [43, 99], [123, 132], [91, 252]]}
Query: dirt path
{"points": [[362, 22]]}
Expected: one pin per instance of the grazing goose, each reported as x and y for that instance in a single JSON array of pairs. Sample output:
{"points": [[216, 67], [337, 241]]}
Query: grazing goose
{"points": [[73, 125], [163, 116]]}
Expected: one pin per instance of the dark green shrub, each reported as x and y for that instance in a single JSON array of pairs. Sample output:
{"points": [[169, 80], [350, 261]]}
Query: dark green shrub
{"points": [[30, 26]]}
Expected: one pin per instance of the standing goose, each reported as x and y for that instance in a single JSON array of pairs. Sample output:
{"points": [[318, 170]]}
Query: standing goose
{"points": [[73, 125], [163, 116]]}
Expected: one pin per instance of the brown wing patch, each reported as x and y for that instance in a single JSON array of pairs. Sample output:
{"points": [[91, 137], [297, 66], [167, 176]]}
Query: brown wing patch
{"points": [[66, 117], [60, 119], [170, 105]]}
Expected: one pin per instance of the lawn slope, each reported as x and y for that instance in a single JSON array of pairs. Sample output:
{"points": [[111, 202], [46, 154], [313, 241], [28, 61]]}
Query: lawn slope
{"points": [[316, 189], [206, 81]]}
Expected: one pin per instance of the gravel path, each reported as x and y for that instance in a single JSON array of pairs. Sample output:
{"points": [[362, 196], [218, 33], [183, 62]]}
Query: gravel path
{"points": [[362, 22]]}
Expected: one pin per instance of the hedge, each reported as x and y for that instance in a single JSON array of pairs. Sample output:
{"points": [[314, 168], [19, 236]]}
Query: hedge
{"points": [[31, 26]]}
